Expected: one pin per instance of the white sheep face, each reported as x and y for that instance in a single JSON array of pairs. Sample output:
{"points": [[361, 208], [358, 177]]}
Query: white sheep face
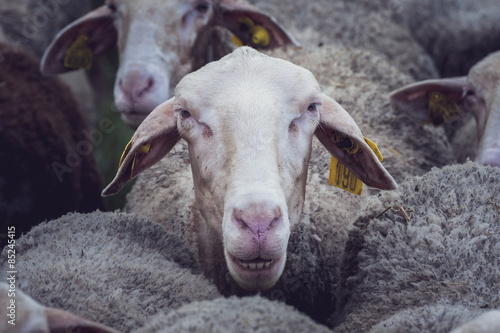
{"points": [[249, 154], [159, 42], [249, 120], [155, 39]]}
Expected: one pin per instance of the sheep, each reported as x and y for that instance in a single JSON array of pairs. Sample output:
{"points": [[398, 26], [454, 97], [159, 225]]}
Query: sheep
{"points": [[27, 316], [439, 101], [32, 24], [112, 268], [247, 314], [434, 241], [360, 80], [46, 165], [151, 63], [253, 254]]}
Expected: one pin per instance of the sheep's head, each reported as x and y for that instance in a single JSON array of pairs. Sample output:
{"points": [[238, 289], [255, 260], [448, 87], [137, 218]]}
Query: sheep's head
{"points": [[158, 43], [438, 101], [249, 120]]}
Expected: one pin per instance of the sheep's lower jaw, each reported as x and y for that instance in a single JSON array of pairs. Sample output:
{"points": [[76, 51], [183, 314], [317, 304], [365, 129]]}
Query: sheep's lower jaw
{"points": [[256, 274], [133, 118]]}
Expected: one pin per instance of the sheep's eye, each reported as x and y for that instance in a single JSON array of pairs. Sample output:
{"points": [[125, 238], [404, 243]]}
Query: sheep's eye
{"points": [[203, 7], [312, 107], [185, 114], [112, 7]]}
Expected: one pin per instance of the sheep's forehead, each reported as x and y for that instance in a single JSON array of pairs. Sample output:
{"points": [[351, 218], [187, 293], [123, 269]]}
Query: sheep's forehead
{"points": [[247, 81]]}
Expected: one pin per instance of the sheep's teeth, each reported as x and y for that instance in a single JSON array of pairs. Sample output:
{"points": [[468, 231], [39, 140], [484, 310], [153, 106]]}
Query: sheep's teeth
{"points": [[256, 265]]}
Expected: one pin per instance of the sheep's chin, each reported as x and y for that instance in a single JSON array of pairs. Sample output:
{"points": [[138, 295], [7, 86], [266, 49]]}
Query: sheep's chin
{"points": [[260, 276]]}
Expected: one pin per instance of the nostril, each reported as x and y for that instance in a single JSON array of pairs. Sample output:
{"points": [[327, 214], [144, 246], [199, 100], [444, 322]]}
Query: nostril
{"points": [[259, 221], [149, 84]]}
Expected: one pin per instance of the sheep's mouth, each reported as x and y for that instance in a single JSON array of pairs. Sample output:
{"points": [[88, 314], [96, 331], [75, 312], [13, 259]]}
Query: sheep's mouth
{"points": [[257, 273], [255, 264]]}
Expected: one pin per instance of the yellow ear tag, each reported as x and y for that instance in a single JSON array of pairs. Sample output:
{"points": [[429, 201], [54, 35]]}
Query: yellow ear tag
{"points": [[260, 36], [125, 152], [144, 149], [79, 55], [236, 41], [374, 147], [340, 175], [441, 108], [343, 178], [257, 33]]}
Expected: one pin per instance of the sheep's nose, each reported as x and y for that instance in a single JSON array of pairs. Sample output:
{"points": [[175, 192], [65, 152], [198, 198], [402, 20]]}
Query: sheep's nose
{"points": [[259, 218], [135, 85]]}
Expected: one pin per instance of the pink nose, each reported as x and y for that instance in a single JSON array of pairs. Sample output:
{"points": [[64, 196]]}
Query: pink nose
{"points": [[258, 218], [135, 85]]}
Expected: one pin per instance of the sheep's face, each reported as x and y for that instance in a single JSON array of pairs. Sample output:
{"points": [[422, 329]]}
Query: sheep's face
{"points": [[155, 41], [249, 120], [159, 42], [484, 80], [249, 128]]}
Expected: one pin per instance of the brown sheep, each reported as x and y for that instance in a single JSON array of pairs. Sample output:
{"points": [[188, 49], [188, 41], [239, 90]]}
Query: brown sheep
{"points": [[46, 164]]}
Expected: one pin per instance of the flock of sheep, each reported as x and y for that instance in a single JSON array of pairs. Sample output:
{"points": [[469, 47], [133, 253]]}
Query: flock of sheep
{"points": [[236, 227]]}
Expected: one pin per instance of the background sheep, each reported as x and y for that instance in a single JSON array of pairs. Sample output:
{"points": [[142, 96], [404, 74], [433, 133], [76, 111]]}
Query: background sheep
{"points": [[46, 163], [152, 59], [445, 253], [111, 268], [247, 314], [441, 100]]}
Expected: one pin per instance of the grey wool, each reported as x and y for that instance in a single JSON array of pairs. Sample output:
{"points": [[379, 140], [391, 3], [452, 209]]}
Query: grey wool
{"points": [[428, 319], [422, 38], [113, 268], [435, 240], [247, 314]]}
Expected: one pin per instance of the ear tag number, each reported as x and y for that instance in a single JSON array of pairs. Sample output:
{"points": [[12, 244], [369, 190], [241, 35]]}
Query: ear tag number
{"points": [[256, 33], [340, 175], [79, 55], [441, 108], [144, 149]]}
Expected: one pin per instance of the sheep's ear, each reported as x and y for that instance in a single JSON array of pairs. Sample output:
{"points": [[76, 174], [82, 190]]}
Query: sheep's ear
{"points": [[60, 321], [80, 42], [152, 140], [340, 135], [250, 26], [432, 101]]}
